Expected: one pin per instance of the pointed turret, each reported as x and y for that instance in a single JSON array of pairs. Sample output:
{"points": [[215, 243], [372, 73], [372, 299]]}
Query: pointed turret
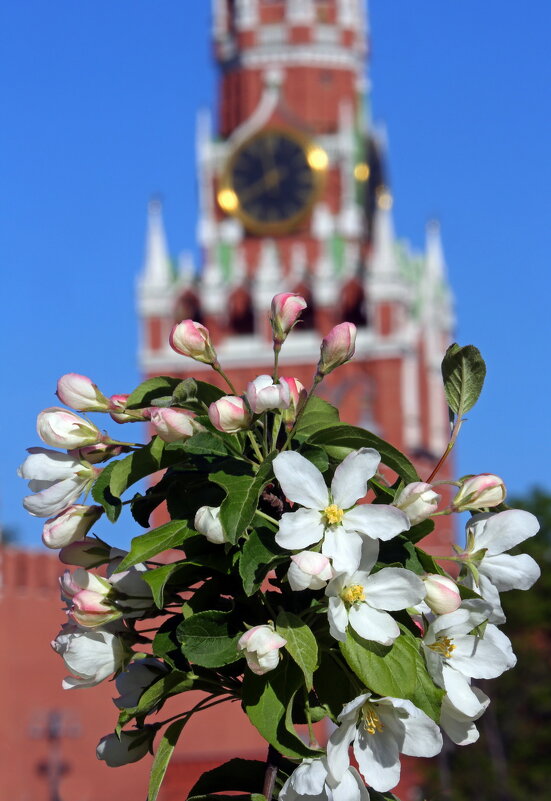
{"points": [[383, 257], [157, 272]]}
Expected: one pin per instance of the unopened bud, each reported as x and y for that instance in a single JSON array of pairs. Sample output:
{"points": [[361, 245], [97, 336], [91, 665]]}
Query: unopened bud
{"points": [[479, 492], [193, 340], [337, 348], [80, 393], [207, 522], [297, 396], [62, 429], [261, 645], [229, 414], [174, 425], [70, 525], [263, 394], [120, 414], [285, 311], [85, 553], [128, 746], [418, 500], [101, 452], [442, 594], [309, 570]]}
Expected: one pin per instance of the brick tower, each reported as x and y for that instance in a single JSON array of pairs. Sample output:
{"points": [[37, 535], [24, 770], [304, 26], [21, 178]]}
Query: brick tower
{"points": [[293, 197]]}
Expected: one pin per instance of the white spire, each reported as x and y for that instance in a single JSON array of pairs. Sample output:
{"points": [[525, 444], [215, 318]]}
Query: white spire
{"points": [[383, 258], [268, 278], [157, 272], [436, 264], [299, 264]]}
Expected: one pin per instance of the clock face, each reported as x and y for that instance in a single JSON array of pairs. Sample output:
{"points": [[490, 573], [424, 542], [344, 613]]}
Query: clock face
{"points": [[272, 181]]}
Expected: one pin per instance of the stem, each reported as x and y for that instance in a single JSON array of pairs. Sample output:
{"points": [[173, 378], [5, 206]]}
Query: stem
{"points": [[267, 517], [455, 431], [313, 741], [317, 380], [265, 433], [268, 605], [203, 704], [278, 417], [277, 348], [256, 449], [272, 764], [126, 444], [226, 378]]}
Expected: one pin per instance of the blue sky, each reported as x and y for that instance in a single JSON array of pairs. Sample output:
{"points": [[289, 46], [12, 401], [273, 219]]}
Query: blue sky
{"points": [[99, 107]]}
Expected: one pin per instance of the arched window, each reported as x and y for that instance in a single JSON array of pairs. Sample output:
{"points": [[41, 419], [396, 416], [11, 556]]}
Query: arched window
{"points": [[353, 305], [240, 312], [308, 316], [188, 307]]}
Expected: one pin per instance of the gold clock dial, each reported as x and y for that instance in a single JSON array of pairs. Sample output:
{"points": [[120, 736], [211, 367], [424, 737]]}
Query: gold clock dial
{"points": [[272, 181]]}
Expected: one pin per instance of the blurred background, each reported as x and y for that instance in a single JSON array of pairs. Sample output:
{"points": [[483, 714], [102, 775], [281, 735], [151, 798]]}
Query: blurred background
{"points": [[101, 105]]}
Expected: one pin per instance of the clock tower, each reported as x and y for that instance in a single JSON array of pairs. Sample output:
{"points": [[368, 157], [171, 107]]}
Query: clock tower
{"points": [[293, 196]]}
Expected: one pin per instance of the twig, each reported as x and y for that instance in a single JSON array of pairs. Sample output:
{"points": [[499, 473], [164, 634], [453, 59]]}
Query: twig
{"points": [[272, 764]]}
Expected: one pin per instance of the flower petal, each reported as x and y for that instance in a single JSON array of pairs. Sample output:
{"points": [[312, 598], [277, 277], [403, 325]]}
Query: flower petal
{"points": [[421, 735], [376, 520], [479, 658], [508, 572], [351, 476], [299, 529], [460, 692], [459, 727], [378, 758], [300, 480], [504, 530], [338, 618], [344, 548], [372, 624], [309, 778], [351, 788], [54, 499], [338, 760], [394, 588]]}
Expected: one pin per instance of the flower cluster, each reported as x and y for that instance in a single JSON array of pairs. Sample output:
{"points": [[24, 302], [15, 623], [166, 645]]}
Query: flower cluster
{"points": [[295, 582]]}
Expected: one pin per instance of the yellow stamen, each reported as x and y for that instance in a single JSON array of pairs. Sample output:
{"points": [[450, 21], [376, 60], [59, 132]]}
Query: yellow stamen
{"points": [[333, 514], [371, 720], [443, 646], [353, 594]]}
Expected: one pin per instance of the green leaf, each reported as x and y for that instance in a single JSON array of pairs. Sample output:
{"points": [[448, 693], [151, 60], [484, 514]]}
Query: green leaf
{"points": [[420, 530], [339, 440], [384, 669], [149, 390], [165, 750], [166, 645], [183, 574], [267, 699], [175, 682], [463, 371], [243, 490], [145, 546], [209, 639], [315, 454], [103, 495], [238, 774], [317, 414], [260, 554], [426, 695], [205, 443], [301, 643], [142, 463], [333, 683]]}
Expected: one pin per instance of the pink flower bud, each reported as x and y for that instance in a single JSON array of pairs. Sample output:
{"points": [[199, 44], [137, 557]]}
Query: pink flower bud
{"points": [[263, 394], [70, 525], [480, 492], [337, 347], [101, 452], [207, 522], [80, 393], [63, 429], [261, 645], [229, 414], [173, 425], [85, 553], [193, 340], [73, 583], [285, 311], [442, 594], [120, 414], [418, 500], [297, 395], [309, 570]]}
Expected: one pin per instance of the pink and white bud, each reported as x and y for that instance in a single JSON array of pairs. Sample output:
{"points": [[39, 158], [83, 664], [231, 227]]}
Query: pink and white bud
{"points": [[263, 394], [62, 429], [101, 452], [230, 414], [479, 492], [297, 395], [193, 340], [87, 595], [207, 522], [442, 594], [261, 645], [418, 500], [85, 553], [57, 479], [73, 583], [129, 746], [120, 414], [337, 347], [80, 393], [285, 310], [309, 570], [174, 425], [90, 656], [70, 525]]}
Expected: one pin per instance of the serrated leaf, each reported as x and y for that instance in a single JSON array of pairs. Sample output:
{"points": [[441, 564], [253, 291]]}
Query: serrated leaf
{"points": [[383, 669], [259, 555], [174, 683], [420, 530], [205, 443], [333, 683], [243, 490], [103, 495], [209, 639], [317, 414], [145, 546], [165, 749], [463, 371], [237, 774], [185, 573], [141, 463], [149, 390], [426, 695], [266, 700], [301, 643], [339, 440]]}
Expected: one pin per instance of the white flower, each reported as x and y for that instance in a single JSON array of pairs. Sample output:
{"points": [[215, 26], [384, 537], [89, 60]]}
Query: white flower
{"points": [[458, 726], [90, 656], [332, 515], [310, 782], [309, 570], [62, 429], [57, 479], [499, 571], [263, 394], [130, 747], [381, 729], [207, 522], [454, 655], [360, 600], [261, 645], [137, 677], [70, 525]]}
